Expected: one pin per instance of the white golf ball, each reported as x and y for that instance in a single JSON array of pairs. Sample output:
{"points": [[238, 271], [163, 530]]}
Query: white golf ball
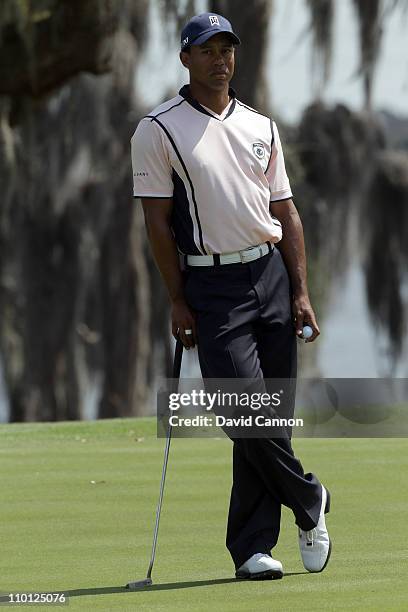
{"points": [[307, 332]]}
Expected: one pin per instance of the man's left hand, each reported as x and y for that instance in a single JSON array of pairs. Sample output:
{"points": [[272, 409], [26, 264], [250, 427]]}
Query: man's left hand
{"points": [[304, 315]]}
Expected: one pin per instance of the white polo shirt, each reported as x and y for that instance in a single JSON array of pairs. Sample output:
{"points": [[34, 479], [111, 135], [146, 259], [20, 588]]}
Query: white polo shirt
{"points": [[222, 171]]}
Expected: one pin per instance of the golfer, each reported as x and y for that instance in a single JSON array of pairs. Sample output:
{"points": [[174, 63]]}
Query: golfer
{"points": [[228, 241]]}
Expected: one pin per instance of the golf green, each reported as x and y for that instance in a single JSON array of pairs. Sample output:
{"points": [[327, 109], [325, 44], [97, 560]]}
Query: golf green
{"points": [[78, 507]]}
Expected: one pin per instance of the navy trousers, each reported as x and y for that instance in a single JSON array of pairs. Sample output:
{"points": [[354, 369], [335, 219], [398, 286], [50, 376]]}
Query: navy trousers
{"points": [[245, 330]]}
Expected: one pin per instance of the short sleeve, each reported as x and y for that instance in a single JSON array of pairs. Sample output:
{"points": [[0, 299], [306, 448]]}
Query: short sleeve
{"points": [[276, 172], [152, 172]]}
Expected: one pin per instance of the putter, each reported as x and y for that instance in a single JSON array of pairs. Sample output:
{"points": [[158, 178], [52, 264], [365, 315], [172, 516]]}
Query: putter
{"points": [[140, 584]]}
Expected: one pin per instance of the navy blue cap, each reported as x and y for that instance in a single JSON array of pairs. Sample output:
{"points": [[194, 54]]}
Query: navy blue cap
{"points": [[201, 27]]}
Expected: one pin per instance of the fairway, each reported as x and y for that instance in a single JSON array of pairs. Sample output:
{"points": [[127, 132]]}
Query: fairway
{"points": [[78, 505]]}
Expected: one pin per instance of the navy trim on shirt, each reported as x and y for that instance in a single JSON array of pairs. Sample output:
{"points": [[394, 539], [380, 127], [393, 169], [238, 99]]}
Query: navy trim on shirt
{"points": [[272, 141], [249, 108], [181, 220], [200, 233], [169, 109]]}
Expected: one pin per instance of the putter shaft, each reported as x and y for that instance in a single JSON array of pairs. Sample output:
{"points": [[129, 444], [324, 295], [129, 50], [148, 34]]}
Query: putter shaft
{"points": [[176, 376]]}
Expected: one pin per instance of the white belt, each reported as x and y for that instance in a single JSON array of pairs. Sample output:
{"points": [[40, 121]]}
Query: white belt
{"points": [[249, 254]]}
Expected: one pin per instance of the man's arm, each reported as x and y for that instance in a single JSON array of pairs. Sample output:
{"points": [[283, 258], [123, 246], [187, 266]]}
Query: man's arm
{"points": [[292, 247], [157, 214]]}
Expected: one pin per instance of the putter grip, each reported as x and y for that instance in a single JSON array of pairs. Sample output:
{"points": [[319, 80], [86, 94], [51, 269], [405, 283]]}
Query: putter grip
{"points": [[178, 355]]}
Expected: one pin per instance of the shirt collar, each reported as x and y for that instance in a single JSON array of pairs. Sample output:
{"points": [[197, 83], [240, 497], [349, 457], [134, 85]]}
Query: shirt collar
{"points": [[185, 92]]}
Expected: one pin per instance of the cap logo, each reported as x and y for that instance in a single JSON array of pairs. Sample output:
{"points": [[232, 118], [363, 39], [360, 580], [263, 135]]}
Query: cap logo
{"points": [[184, 42], [259, 150], [214, 20]]}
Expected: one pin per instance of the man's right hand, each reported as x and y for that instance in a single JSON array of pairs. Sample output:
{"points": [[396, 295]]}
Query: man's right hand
{"points": [[182, 319], [158, 217]]}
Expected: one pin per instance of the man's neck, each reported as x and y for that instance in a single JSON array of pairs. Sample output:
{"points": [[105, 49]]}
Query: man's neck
{"points": [[217, 101]]}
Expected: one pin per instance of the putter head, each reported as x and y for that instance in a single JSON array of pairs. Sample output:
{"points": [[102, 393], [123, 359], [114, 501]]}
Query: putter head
{"points": [[140, 584]]}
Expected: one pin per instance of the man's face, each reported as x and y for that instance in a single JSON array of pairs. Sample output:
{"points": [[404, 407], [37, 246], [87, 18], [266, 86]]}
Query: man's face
{"points": [[212, 63]]}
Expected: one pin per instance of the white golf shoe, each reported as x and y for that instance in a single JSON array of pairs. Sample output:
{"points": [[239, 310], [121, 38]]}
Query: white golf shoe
{"points": [[260, 567], [315, 545]]}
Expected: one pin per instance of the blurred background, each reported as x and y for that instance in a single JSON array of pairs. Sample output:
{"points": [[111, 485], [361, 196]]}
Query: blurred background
{"points": [[84, 319]]}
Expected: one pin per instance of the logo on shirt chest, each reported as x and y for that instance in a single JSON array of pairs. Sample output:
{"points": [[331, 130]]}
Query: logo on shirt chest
{"points": [[259, 149]]}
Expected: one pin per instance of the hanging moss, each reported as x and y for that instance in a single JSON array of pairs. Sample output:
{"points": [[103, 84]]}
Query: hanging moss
{"points": [[321, 24], [369, 17], [384, 223]]}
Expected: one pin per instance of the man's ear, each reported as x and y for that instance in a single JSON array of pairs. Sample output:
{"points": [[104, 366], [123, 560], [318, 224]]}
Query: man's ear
{"points": [[185, 59]]}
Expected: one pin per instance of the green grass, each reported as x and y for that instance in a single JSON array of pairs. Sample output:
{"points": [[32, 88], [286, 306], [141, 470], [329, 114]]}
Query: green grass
{"points": [[60, 532]]}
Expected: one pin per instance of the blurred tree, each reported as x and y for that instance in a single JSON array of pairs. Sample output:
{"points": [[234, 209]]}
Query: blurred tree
{"points": [[51, 41], [385, 240], [75, 288], [335, 144]]}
